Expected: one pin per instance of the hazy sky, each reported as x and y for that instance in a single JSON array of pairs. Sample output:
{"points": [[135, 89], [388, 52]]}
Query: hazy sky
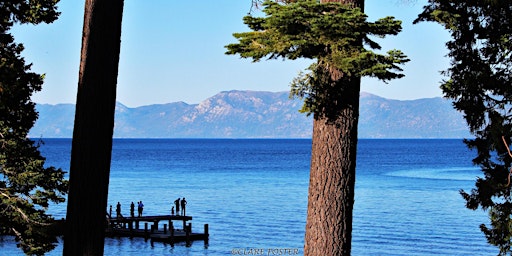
{"points": [[174, 51]]}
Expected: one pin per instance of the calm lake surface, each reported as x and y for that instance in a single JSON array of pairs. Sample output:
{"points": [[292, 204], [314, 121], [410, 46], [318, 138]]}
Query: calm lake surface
{"points": [[253, 194]]}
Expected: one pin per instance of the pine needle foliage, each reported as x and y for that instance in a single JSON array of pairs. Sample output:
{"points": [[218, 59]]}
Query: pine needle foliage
{"points": [[27, 186], [333, 34], [478, 81]]}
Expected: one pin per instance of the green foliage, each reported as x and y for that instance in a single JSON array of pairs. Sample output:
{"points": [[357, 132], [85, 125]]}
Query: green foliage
{"points": [[27, 187], [479, 84], [333, 34]]}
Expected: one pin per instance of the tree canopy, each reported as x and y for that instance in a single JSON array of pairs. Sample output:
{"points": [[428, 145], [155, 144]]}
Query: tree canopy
{"points": [[27, 186], [334, 34], [478, 82]]}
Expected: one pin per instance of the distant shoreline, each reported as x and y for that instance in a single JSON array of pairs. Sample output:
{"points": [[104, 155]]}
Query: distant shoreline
{"points": [[258, 114]]}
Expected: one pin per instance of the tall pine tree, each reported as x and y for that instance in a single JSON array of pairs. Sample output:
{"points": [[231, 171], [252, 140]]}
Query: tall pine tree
{"points": [[334, 34], [27, 186], [94, 126], [478, 82]]}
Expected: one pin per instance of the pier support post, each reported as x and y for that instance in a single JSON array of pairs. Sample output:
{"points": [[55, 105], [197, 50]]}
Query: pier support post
{"points": [[155, 223], [165, 228], [206, 235], [171, 229], [188, 230]]}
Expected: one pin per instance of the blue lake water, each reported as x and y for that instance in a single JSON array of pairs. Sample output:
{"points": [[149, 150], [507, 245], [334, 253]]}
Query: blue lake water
{"points": [[253, 194]]}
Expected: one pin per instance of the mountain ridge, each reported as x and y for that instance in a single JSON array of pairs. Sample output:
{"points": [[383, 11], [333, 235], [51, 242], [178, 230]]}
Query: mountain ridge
{"points": [[257, 114]]}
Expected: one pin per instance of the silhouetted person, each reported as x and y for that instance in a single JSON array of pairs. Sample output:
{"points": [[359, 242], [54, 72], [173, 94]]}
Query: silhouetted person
{"points": [[183, 204], [132, 210], [177, 203], [140, 208], [172, 210], [118, 210], [110, 212]]}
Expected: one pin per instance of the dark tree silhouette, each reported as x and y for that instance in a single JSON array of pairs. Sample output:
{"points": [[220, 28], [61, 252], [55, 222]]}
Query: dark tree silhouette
{"points": [[27, 187], [479, 82], [93, 130]]}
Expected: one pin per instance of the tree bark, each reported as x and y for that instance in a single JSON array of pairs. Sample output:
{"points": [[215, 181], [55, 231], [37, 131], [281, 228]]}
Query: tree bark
{"points": [[93, 130], [332, 180], [333, 170]]}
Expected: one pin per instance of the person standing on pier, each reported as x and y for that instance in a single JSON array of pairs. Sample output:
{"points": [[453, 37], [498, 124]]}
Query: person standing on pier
{"points": [[140, 208], [177, 203], [132, 210], [183, 204], [118, 210]]}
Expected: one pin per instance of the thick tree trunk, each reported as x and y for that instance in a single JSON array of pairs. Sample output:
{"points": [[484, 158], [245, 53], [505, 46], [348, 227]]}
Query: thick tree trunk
{"points": [[333, 170], [332, 179], [94, 124]]}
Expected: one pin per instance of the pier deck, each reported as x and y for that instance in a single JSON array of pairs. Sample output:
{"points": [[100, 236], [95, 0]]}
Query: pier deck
{"points": [[149, 227]]}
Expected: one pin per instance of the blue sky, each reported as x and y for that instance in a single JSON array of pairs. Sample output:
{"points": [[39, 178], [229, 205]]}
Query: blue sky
{"points": [[174, 51]]}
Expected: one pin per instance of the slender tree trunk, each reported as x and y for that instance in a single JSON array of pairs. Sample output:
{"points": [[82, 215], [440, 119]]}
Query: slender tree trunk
{"points": [[94, 124], [332, 173]]}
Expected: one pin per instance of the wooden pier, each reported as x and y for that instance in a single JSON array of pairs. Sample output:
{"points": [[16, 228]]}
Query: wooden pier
{"points": [[149, 227]]}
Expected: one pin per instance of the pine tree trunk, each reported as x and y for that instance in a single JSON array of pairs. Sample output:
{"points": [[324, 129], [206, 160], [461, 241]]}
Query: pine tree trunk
{"points": [[332, 173], [93, 130], [332, 180]]}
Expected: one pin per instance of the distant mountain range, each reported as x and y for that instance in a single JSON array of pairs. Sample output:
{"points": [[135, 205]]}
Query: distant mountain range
{"points": [[252, 114]]}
